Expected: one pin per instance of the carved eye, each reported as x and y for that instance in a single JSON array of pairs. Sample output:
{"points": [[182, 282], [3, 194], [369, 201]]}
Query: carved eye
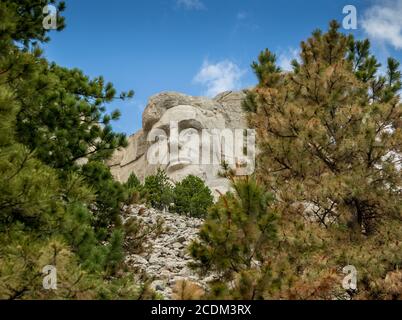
{"points": [[187, 134], [159, 138]]}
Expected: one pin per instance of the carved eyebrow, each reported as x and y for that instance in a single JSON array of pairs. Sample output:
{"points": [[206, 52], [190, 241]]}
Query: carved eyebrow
{"points": [[190, 123], [165, 127]]}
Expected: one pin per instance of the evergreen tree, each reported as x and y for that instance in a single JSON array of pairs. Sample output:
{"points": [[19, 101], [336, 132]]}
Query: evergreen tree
{"points": [[133, 182], [329, 139], [21, 21], [50, 207], [72, 127], [109, 193], [191, 196], [136, 191], [238, 233], [115, 251], [159, 190], [329, 132]]}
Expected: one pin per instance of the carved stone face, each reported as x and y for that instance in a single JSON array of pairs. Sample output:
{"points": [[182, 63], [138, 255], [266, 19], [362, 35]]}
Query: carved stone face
{"points": [[173, 137], [176, 142]]}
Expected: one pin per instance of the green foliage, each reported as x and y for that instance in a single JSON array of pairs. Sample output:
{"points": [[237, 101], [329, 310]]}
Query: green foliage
{"points": [[21, 20], [77, 229], [133, 182], [159, 190], [62, 112], [23, 196], [266, 69], [239, 231], [23, 257], [191, 196], [329, 131], [109, 193], [73, 125], [136, 192], [54, 210], [115, 251], [329, 134]]}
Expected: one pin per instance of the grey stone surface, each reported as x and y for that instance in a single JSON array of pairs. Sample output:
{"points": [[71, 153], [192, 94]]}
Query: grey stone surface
{"points": [[167, 262]]}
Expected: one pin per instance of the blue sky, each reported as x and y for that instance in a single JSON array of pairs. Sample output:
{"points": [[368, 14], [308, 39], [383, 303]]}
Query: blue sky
{"points": [[200, 47]]}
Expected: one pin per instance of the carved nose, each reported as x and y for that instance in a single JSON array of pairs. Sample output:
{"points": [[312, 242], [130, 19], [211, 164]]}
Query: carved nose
{"points": [[175, 143]]}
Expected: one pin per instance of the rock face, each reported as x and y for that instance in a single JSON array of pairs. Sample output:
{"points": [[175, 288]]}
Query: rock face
{"points": [[168, 260], [172, 138]]}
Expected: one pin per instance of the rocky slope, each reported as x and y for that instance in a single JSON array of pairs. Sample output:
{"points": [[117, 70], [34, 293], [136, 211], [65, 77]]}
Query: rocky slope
{"points": [[167, 262]]}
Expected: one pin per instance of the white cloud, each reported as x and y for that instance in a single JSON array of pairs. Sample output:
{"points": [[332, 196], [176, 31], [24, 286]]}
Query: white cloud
{"points": [[191, 4], [285, 58], [219, 77], [383, 22]]}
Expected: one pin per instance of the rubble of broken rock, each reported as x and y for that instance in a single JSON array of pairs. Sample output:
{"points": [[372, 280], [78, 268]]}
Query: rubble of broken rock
{"points": [[167, 261]]}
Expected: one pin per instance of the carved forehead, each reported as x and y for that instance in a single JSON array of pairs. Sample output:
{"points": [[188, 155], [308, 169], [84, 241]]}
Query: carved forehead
{"points": [[159, 104], [226, 105], [191, 117]]}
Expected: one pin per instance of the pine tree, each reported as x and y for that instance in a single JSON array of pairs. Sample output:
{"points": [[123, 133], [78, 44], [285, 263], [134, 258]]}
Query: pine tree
{"points": [[159, 190], [329, 139], [50, 207], [191, 196], [238, 232], [329, 132], [136, 191], [21, 21], [73, 126], [133, 182]]}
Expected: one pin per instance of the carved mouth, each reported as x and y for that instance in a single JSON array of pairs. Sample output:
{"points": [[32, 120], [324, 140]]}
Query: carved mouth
{"points": [[179, 164]]}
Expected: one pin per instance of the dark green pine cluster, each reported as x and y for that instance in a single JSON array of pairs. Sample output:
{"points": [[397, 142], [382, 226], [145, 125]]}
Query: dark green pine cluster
{"points": [[188, 197]]}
